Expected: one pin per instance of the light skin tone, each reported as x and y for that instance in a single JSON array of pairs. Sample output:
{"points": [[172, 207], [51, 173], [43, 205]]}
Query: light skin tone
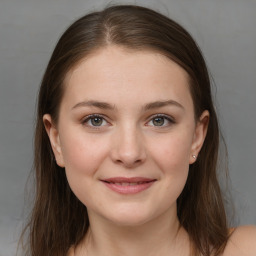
{"points": [[128, 114]]}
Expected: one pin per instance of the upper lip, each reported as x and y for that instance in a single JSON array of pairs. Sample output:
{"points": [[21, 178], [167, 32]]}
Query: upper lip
{"points": [[128, 180]]}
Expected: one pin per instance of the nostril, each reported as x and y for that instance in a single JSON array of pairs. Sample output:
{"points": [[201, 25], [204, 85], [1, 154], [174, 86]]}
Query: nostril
{"points": [[128, 164], [129, 153]]}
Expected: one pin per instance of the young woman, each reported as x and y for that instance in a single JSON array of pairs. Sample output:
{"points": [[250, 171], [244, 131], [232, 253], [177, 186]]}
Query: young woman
{"points": [[126, 144]]}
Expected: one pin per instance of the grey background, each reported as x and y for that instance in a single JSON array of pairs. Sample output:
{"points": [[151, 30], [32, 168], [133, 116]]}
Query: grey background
{"points": [[226, 32]]}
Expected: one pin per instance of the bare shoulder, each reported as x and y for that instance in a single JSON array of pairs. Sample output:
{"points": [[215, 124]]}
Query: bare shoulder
{"points": [[242, 242], [71, 252]]}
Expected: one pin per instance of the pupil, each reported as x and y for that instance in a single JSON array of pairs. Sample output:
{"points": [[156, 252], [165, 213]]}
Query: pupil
{"points": [[158, 121], [97, 121]]}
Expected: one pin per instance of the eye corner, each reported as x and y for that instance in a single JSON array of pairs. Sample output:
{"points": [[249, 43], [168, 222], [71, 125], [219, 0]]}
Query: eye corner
{"points": [[167, 121], [90, 121]]}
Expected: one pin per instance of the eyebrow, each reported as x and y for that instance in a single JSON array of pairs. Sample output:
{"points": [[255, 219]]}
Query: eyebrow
{"points": [[93, 103], [159, 104], [149, 106]]}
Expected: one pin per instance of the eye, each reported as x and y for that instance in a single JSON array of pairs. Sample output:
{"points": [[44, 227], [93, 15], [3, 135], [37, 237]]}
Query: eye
{"points": [[94, 121], [160, 121]]}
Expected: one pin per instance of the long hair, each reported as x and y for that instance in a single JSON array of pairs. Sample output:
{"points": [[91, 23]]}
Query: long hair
{"points": [[58, 219]]}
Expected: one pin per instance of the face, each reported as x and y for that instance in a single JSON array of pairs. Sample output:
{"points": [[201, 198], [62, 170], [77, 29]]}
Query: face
{"points": [[126, 134]]}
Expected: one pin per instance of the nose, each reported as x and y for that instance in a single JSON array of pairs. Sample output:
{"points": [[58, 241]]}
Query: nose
{"points": [[128, 148]]}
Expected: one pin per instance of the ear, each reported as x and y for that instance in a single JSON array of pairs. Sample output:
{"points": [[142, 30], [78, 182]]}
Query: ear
{"points": [[199, 135], [53, 135]]}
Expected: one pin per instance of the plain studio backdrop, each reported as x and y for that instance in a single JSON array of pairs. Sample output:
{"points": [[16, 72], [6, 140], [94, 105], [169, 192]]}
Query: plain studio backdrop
{"points": [[29, 29]]}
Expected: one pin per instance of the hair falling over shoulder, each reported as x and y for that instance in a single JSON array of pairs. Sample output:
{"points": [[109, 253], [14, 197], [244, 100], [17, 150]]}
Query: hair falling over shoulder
{"points": [[58, 219]]}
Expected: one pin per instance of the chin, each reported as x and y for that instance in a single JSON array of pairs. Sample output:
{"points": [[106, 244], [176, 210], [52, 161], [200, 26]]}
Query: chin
{"points": [[132, 222], [130, 218]]}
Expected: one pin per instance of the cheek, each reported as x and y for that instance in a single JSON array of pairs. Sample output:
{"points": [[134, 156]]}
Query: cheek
{"points": [[171, 156], [172, 153], [82, 157], [78, 156]]}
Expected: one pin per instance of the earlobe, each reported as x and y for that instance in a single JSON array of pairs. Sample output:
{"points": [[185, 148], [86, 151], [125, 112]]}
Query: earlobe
{"points": [[53, 135], [199, 135]]}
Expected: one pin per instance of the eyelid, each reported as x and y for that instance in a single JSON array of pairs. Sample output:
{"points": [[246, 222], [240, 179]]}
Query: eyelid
{"points": [[167, 117], [88, 117], [170, 119]]}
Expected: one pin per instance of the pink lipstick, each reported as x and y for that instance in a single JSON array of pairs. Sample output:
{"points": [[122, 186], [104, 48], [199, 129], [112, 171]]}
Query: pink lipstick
{"points": [[132, 185]]}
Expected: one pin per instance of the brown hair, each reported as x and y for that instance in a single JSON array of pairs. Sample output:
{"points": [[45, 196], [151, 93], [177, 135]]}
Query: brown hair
{"points": [[59, 219]]}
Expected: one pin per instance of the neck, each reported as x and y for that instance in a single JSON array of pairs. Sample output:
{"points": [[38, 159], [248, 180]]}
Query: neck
{"points": [[161, 236]]}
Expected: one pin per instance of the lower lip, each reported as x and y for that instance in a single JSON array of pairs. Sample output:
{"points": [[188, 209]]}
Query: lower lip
{"points": [[129, 189]]}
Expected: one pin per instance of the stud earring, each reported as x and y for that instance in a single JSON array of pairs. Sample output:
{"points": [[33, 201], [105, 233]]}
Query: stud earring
{"points": [[194, 156]]}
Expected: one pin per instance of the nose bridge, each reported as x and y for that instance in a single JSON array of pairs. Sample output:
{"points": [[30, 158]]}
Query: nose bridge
{"points": [[128, 148]]}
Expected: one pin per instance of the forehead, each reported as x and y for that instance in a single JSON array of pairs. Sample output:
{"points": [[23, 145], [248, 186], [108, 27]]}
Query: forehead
{"points": [[114, 72]]}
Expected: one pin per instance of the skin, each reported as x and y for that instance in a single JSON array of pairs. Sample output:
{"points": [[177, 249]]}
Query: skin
{"points": [[128, 141], [242, 242]]}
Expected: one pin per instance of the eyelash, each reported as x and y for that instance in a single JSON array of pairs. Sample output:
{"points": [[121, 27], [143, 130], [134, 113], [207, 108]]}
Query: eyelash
{"points": [[165, 117], [90, 117]]}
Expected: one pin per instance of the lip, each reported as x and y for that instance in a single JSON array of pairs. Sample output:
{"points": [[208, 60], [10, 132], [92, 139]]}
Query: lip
{"points": [[131, 185]]}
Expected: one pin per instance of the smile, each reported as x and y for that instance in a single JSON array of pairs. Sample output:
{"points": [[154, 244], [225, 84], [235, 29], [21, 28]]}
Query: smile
{"points": [[128, 185]]}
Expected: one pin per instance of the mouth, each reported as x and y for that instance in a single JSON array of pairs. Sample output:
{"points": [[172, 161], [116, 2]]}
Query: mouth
{"points": [[132, 185]]}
